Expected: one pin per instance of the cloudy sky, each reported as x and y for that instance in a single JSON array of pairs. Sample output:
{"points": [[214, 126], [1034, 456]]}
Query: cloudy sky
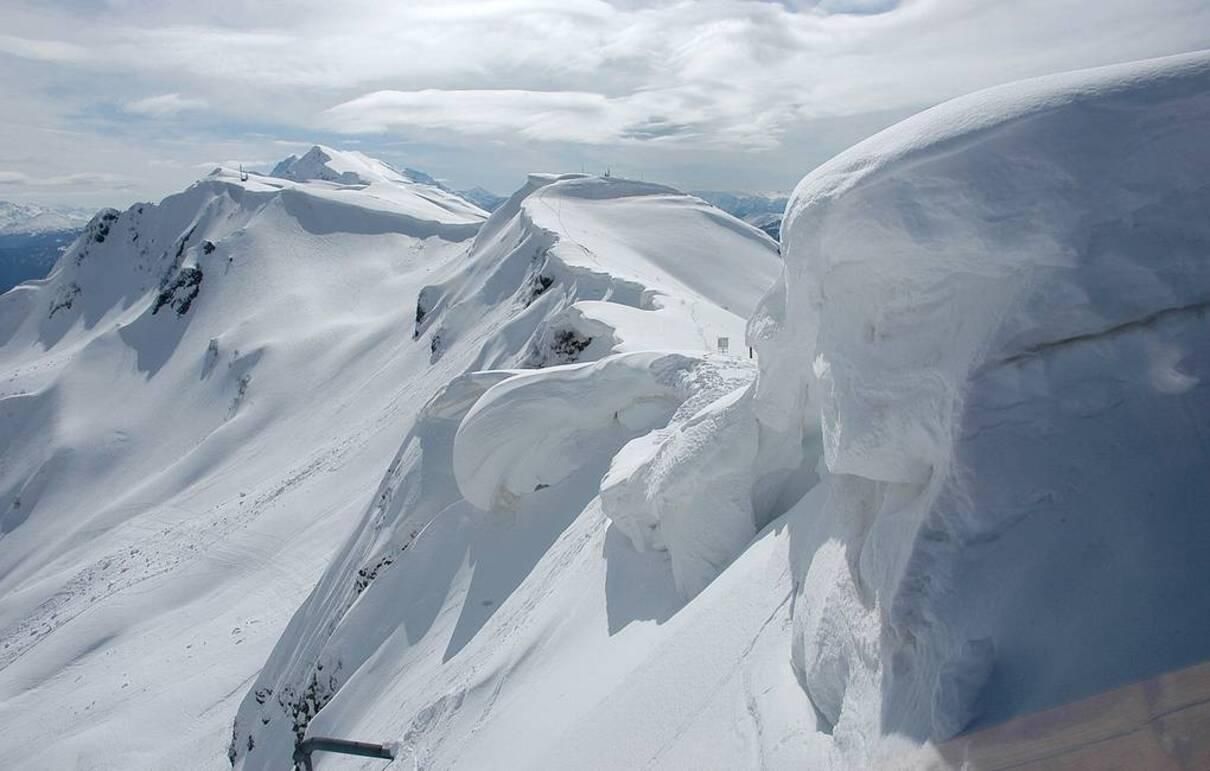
{"points": [[109, 101]]}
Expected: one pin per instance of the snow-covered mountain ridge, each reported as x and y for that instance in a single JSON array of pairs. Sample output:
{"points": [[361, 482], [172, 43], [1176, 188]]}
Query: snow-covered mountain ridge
{"points": [[199, 392]]}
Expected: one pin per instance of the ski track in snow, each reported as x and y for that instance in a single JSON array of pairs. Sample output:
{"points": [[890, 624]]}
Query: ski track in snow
{"points": [[161, 550]]}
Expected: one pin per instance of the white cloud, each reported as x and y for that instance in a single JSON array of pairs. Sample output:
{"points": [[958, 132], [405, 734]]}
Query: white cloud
{"points": [[87, 180], [669, 115], [42, 50], [232, 164], [165, 105], [613, 79]]}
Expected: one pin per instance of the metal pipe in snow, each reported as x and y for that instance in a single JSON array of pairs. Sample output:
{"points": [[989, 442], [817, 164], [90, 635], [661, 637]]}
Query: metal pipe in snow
{"points": [[302, 755]]}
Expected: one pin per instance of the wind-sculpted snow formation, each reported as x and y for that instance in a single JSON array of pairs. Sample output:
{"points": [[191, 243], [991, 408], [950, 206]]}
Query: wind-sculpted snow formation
{"points": [[552, 317], [994, 316], [965, 484]]}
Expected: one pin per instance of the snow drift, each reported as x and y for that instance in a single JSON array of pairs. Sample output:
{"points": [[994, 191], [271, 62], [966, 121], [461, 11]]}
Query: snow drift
{"points": [[552, 318], [991, 314]]}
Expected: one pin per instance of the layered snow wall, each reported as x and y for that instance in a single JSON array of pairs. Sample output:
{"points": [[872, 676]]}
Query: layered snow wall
{"points": [[994, 316]]}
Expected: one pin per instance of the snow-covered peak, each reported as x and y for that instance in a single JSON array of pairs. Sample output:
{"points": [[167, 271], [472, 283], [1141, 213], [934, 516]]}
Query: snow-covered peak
{"points": [[18, 218], [347, 167], [348, 171], [586, 312]]}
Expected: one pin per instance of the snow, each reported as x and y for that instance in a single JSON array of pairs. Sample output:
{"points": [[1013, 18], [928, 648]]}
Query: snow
{"points": [[630, 265], [204, 393], [530, 431], [348, 174], [1025, 293], [642, 556], [961, 482], [656, 495], [173, 483], [505, 465]]}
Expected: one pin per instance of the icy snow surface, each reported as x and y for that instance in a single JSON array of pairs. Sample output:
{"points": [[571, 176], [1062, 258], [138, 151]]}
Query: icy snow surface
{"points": [[966, 483]]}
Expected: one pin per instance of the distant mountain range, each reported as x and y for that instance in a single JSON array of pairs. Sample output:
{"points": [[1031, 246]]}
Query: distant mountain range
{"points": [[32, 238], [760, 211], [484, 199], [26, 219]]}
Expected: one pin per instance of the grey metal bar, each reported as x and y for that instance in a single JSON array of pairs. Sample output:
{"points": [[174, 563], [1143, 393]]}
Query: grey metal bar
{"points": [[302, 754]]}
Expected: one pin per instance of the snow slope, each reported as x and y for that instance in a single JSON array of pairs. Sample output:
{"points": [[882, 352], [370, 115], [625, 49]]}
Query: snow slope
{"points": [[199, 401], [581, 278], [964, 485], [193, 406]]}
